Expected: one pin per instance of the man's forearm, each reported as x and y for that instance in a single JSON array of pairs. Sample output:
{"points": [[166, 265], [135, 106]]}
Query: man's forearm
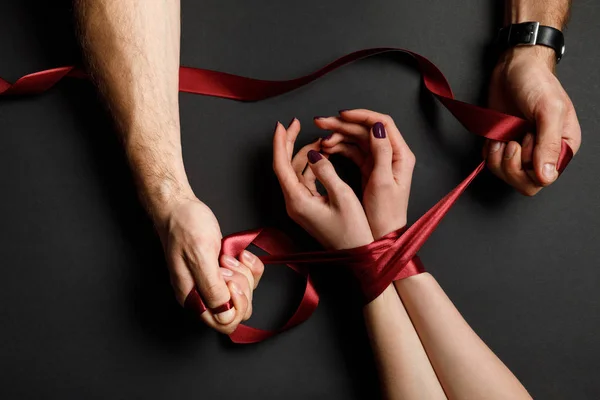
{"points": [[554, 13], [132, 53]]}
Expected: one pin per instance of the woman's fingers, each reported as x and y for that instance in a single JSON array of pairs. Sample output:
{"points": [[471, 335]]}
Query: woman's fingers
{"points": [[343, 131], [292, 132], [288, 180], [339, 124], [356, 155], [309, 180], [282, 159], [336, 188], [300, 160], [403, 159], [300, 165], [348, 150]]}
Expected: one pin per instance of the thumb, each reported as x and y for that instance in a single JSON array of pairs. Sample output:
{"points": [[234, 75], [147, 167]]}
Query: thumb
{"points": [[550, 121], [325, 173], [213, 290], [382, 152]]}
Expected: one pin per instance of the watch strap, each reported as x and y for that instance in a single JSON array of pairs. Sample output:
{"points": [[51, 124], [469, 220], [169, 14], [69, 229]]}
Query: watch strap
{"points": [[531, 34]]}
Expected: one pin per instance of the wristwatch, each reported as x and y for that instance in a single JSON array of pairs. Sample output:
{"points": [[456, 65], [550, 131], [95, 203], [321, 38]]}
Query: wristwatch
{"points": [[531, 34]]}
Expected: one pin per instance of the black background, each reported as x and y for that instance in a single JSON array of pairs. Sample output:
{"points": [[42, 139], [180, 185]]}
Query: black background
{"points": [[85, 303]]}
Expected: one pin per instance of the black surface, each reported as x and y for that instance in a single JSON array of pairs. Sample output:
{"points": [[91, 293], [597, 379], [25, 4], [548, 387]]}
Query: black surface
{"points": [[86, 308]]}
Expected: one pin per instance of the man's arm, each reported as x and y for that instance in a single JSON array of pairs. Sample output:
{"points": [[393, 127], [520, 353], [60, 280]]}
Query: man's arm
{"points": [[524, 84], [132, 54]]}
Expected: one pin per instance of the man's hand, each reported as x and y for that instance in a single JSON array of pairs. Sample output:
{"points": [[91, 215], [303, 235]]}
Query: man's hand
{"points": [[191, 239], [523, 84], [132, 54]]}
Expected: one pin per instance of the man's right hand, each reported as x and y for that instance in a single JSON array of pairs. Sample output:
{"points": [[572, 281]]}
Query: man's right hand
{"points": [[191, 240]]}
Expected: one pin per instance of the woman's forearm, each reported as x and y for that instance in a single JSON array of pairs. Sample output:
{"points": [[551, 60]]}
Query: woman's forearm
{"points": [[404, 369], [465, 366]]}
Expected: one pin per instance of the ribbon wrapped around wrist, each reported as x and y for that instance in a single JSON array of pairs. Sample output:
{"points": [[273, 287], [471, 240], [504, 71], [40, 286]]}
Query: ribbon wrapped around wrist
{"points": [[376, 265]]}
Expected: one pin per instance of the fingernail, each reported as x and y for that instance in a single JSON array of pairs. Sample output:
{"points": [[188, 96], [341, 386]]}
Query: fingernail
{"points": [[277, 125], [314, 156], [341, 111], [511, 149], [236, 288], [379, 130], [320, 117], [527, 139], [226, 272], [291, 122], [494, 147], [248, 257], [232, 262], [226, 316], [328, 136], [549, 171]]}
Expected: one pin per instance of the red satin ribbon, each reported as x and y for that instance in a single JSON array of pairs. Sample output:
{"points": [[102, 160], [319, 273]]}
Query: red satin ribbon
{"points": [[376, 265]]}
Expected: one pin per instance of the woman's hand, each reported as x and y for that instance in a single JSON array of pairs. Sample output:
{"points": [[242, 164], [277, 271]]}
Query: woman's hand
{"points": [[373, 142], [337, 220]]}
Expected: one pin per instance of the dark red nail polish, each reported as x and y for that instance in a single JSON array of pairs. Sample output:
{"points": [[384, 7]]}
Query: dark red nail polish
{"points": [[379, 130], [328, 136], [314, 156]]}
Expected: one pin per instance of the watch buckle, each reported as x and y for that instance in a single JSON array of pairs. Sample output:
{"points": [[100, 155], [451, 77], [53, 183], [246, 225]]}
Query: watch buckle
{"points": [[527, 33]]}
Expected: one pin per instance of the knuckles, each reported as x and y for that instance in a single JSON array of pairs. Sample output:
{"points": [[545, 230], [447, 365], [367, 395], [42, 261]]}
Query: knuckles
{"points": [[386, 120], [552, 105], [552, 146], [295, 206], [381, 183], [529, 191], [227, 329], [214, 296], [258, 268], [409, 159], [202, 244]]}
